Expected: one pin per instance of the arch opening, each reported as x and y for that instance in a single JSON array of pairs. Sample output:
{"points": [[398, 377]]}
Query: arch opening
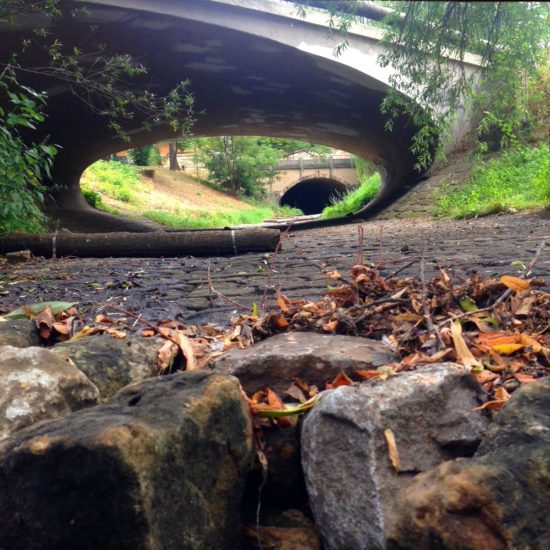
{"points": [[313, 194]]}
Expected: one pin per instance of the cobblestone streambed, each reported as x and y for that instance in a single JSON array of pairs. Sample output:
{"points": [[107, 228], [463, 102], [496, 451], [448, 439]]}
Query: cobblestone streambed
{"points": [[198, 290]]}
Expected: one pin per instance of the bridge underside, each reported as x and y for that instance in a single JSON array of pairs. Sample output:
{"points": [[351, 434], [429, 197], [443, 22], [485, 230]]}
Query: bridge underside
{"points": [[313, 194], [244, 84]]}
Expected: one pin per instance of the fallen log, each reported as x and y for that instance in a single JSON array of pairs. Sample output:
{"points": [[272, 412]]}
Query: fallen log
{"points": [[222, 242]]}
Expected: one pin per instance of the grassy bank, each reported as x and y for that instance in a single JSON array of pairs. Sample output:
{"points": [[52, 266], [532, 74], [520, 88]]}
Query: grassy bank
{"points": [[354, 200], [172, 199], [517, 179]]}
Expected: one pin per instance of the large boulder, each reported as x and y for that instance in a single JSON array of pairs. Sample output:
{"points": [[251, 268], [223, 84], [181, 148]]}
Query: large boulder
{"points": [[36, 384], [161, 466], [313, 357], [112, 363], [350, 479], [500, 499], [20, 333]]}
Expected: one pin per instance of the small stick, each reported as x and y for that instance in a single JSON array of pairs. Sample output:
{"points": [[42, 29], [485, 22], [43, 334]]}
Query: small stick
{"points": [[360, 240], [211, 290], [272, 261], [402, 268], [141, 320], [425, 307]]}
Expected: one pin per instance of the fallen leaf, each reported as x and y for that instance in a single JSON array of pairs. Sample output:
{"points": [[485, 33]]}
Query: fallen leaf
{"points": [[341, 379], [187, 350], [34, 309], [507, 349], [515, 283], [524, 378], [392, 450], [146, 333], [166, 355], [529, 341], [463, 353], [501, 394], [367, 373], [495, 405], [485, 376]]}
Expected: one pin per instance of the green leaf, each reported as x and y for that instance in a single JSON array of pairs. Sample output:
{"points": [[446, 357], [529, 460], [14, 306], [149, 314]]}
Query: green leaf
{"points": [[23, 311], [467, 304], [255, 310]]}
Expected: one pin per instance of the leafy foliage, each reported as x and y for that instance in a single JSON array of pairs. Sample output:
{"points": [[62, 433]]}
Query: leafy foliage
{"points": [[22, 165], [517, 179], [116, 180], [146, 156], [426, 39], [102, 82], [355, 199], [238, 164]]}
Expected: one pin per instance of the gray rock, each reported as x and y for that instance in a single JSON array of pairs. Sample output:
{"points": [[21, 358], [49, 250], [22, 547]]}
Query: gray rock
{"points": [[312, 357], [36, 384], [349, 477], [162, 465], [112, 363], [497, 500], [20, 333]]}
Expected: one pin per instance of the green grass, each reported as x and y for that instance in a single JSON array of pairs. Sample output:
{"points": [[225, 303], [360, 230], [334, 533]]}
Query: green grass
{"points": [[121, 184], [116, 180], [354, 200], [204, 219], [517, 179]]}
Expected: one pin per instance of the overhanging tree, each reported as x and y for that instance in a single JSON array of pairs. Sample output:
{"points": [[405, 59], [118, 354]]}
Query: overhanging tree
{"points": [[509, 38], [101, 81]]}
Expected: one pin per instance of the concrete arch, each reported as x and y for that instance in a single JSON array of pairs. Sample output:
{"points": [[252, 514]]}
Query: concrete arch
{"points": [[313, 193], [255, 69]]}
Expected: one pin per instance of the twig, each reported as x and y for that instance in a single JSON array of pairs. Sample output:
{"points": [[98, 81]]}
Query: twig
{"points": [[360, 240], [427, 314], [535, 259], [212, 290], [402, 268], [271, 262], [146, 323]]}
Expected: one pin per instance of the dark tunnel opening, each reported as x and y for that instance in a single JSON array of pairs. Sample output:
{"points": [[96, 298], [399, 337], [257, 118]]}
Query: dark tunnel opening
{"points": [[313, 194]]}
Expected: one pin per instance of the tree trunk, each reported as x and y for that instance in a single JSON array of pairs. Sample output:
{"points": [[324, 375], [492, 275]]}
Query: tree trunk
{"points": [[215, 242], [173, 155]]}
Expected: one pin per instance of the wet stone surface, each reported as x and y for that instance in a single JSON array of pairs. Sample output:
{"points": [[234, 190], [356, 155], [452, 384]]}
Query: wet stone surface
{"points": [[178, 288]]}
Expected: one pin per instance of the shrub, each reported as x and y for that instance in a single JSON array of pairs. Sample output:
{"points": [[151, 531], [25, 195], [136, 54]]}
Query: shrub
{"points": [[516, 179]]}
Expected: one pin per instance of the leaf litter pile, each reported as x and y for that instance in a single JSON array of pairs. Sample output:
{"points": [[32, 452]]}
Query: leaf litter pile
{"points": [[498, 328]]}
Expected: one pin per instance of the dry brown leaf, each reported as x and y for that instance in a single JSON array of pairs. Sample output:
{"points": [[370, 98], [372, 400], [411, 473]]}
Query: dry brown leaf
{"points": [[282, 301], [148, 332], [485, 376], [330, 326], [524, 378], [501, 394], [102, 319], [166, 355], [463, 353], [367, 373], [515, 283], [529, 341], [392, 450], [187, 350], [495, 405], [341, 379]]}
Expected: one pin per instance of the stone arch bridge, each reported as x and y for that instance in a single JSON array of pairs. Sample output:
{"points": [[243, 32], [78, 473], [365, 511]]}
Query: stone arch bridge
{"points": [[311, 184], [256, 68]]}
